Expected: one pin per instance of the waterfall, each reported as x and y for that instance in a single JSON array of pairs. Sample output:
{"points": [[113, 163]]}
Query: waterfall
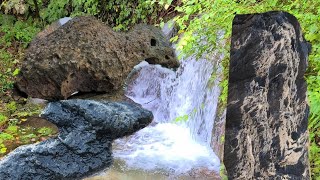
{"points": [[184, 105]]}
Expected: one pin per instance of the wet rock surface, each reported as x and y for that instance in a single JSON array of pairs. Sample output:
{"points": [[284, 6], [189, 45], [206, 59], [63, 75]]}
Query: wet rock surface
{"points": [[83, 146], [84, 55], [267, 114]]}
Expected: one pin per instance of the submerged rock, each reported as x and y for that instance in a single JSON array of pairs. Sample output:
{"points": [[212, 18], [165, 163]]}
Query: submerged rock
{"points": [[83, 146], [267, 114], [85, 55]]}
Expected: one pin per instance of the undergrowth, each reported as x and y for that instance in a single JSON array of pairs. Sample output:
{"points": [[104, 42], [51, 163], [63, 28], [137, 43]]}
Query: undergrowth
{"points": [[15, 34]]}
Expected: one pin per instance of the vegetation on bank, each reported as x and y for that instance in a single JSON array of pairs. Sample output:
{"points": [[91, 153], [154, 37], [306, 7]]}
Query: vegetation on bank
{"points": [[20, 21]]}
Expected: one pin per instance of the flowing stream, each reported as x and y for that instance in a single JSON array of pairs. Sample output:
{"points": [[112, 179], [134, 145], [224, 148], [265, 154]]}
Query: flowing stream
{"points": [[184, 105]]}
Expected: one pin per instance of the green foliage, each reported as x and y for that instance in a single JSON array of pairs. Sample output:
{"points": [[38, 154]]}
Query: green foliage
{"points": [[45, 131], [223, 173], [15, 135], [27, 111], [183, 118], [5, 70], [11, 107], [22, 31], [119, 14], [3, 149], [55, 10], [3, 119], [127, 13], [5, 137], [14, 35], [13, 130], [16, 72], [28, 138]]}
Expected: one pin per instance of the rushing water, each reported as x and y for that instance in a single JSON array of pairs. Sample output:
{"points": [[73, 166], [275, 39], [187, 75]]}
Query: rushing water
{"points": [[177, 143], [184, 105]]}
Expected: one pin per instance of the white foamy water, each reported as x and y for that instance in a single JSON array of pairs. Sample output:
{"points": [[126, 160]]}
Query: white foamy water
{"points": [[165, 147], [64, 20], [184, 105]]}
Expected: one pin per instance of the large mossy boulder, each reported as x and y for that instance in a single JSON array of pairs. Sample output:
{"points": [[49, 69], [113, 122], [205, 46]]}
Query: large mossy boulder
{"points": [[84, 55], [83, 146], [267, 114]]}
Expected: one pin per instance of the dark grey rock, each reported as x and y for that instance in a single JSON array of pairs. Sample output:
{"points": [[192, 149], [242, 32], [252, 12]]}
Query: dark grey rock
{"points": [[83, 146], [84, 55], [267, 114]]}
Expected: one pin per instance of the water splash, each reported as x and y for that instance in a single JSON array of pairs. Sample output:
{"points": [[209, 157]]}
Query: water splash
{"points": [[64, 20], [184, 104]]}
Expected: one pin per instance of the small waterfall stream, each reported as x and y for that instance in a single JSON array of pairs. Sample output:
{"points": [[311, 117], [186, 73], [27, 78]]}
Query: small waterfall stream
{"points": [[184, 105]]}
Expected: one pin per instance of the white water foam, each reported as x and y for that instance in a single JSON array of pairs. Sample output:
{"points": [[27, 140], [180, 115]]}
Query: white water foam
{"points": [[166, 147], [64, 20]]}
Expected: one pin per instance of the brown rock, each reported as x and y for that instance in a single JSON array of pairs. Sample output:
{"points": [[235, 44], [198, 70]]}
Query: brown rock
{"points": [[84, 55]]}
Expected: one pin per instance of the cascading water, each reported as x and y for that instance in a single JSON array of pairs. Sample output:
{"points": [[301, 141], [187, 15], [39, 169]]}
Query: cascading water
{"points": [[184, 105]]}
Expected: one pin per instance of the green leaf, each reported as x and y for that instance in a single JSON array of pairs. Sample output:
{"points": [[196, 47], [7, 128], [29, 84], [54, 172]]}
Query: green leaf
{"points": [[183, 118], [3, 150], [16, 72], [6, 136]]}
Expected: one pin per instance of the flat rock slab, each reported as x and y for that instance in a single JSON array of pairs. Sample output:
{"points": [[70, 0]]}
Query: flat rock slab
{"points": [[83, 146], [267, 114], [84, 55]]}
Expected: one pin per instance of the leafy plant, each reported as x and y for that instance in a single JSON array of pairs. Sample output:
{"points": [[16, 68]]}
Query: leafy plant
{"points": [[119, 14], [45, 131], [6, 81], [28, 138], [3, 148], [5, 137], [21, 31], [223, 173], [183, 118], [13, 130], [11, 106], [3, 119]]}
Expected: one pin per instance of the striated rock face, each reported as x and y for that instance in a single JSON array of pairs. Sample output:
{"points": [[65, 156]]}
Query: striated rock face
{"points": [[86, 131], [84, 55], [267, 114]]}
